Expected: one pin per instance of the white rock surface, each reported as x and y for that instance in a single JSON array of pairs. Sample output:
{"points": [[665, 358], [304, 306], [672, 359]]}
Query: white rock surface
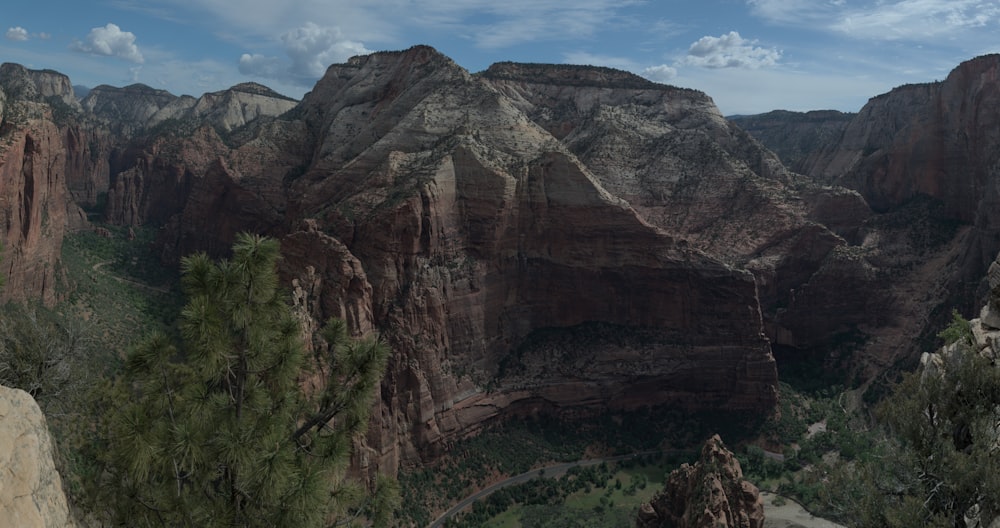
{"points": [[31, 493]]}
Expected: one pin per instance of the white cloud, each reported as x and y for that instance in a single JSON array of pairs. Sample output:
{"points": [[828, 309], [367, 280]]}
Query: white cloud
{"points": [[313, 48], [730, 51], [910, 19], [883, 20], [796, 12], [310, 49], [262, 65], [111, 41], [17, 33], [661, 73]]}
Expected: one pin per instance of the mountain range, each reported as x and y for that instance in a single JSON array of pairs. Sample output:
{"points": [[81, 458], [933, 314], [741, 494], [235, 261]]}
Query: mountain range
{"points": [[537, 238]]}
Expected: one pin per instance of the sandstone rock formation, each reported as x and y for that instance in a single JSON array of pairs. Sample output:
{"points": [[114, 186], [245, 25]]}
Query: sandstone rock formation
{"points": [[926, 157], [477, 229], [31, 494], [709, 494], [138, 107], [35, 209]]}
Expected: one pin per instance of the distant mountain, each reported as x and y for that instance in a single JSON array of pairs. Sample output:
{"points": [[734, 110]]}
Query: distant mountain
{"points": [[795, 136], [80, 91]]}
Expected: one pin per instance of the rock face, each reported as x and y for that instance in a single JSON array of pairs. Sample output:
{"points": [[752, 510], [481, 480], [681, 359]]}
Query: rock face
{"points": [[35, 209], [138, 107], [709, 494], [482, 237], [926, 154], [31, 494], [796, 137]]}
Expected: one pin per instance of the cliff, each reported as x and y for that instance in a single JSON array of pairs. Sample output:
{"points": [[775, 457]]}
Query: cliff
{"points": [[481, 235], [35, 209], [796, 137], [31, 494], [709, 494], [925, 154]]}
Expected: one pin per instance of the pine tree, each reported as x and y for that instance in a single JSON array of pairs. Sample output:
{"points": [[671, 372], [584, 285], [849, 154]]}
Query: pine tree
{"points": [[216, 430]]}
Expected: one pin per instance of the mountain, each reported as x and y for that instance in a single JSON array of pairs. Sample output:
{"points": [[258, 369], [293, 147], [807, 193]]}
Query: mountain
{"points": [[795, 136], [532, 238], [926, 155]]}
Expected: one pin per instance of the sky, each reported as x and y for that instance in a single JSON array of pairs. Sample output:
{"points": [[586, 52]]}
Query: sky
{"points": [[750, 56]]}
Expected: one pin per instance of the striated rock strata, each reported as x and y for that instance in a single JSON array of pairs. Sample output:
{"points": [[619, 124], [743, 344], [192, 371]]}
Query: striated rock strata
{"points": [[423, 202], [35, 209], [709, 494], [31, 494]]}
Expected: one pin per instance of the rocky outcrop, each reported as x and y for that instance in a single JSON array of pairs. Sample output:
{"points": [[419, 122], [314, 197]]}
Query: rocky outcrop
{"points": [[709, 494], [31, 494], [37, 85], [672, 156]]}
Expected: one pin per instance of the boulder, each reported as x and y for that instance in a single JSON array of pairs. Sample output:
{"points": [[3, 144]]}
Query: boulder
{"points": [[31, 494]]}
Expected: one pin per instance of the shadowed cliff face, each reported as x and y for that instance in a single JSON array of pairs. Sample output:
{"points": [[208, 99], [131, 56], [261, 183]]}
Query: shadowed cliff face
{"points": [[928, 158], [477, 229]]}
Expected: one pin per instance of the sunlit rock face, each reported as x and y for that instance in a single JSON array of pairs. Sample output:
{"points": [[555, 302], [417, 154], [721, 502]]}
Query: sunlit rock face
{"points": [[31, 494]]}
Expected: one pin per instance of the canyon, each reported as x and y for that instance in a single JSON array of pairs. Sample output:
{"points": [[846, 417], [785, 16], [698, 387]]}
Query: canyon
{"points": [[534, 239]]}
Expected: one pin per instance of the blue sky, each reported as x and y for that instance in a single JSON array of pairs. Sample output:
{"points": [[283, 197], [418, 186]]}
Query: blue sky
{"points": [[750, 56]]}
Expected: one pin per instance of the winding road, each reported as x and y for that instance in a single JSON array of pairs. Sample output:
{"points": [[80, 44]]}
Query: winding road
{"points": [[555, 470]]}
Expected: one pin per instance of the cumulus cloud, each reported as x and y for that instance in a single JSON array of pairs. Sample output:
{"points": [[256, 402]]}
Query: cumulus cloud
{"points": [[730, 51], [262, 66], [661, 73], [309, 50], [312, 48], [111, 41], [17, 33]]}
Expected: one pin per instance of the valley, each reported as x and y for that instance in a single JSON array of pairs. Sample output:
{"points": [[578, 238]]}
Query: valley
{"points": [[567, 263]]}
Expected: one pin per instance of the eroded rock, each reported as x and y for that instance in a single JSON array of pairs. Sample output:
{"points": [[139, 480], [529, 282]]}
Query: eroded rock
{"points": [[31, 494], [711, 493]]}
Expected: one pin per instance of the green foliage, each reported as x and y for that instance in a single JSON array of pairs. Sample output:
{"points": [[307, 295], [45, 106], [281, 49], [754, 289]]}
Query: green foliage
{"points": [[946, 422], [216, 430], [42, 355], [958, 331]]}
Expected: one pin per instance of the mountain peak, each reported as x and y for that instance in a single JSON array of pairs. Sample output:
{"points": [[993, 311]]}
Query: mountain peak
{"points": [[568, 75]]}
